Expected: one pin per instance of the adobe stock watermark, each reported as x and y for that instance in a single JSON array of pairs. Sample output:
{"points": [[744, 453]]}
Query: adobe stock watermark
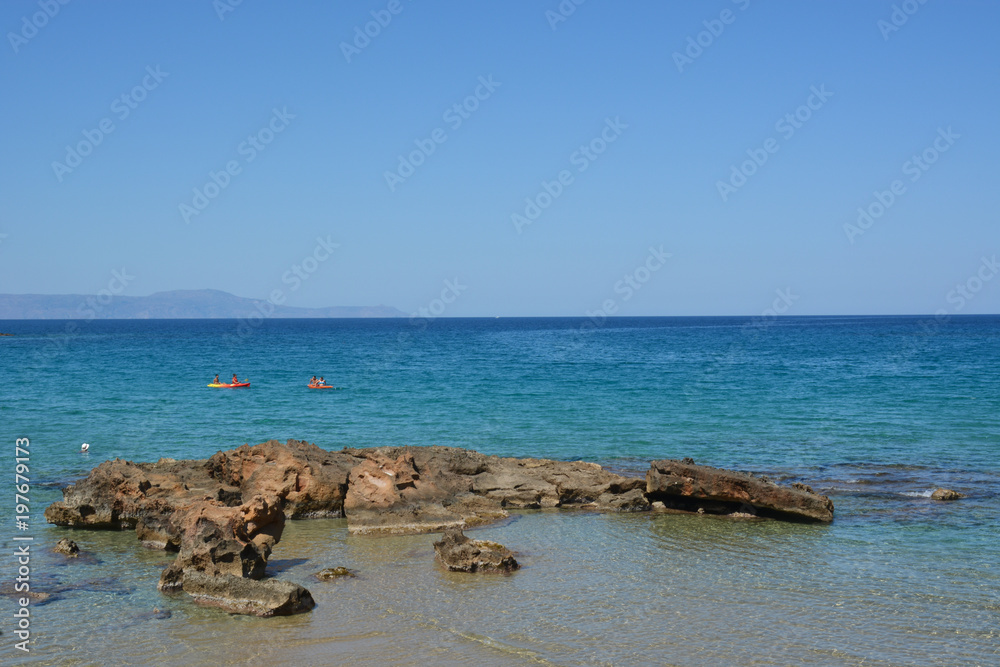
{"points": [[562, 12], [436, 307], [900, 14], [31, 25], [786, 126], [966, 291], [750, 333], [363, 36], [223, 7], [122, 107], [581, 158], [89, 309], [914, 168], [296, 275], [957, 298], [454, 116], [627, 287], [22, 554], [248, 150], [433, 309], [714, 28]]}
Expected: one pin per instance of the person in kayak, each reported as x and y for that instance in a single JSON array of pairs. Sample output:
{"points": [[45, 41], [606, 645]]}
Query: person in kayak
{"points": [[321, 381], [313, 382], [216, 380], [235, 381]]}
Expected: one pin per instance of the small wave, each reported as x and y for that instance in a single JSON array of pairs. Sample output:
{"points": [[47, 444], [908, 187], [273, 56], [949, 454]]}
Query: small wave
{"points": [[917, 494]]}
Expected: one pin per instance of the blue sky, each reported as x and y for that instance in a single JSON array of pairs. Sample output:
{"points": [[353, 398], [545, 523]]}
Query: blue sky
{"points": [[663, 120]]}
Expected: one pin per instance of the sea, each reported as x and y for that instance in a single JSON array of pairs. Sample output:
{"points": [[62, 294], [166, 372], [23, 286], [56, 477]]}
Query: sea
{"points": [[875, 412]]}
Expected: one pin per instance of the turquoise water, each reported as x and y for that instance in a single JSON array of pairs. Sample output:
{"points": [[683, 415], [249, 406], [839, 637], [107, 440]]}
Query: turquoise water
{"points": [[874, 412]]}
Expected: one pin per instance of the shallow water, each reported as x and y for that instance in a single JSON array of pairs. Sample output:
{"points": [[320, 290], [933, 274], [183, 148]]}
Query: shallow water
{"points": [[870, 411], [594, 590]]}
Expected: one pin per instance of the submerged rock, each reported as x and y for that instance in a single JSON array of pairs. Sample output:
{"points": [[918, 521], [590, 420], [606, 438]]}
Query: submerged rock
{"points": [[239, 595], [67, 547], [460, 554], [946, 494], [145, 616], [331, 573], [9, 589], [693, 487]]}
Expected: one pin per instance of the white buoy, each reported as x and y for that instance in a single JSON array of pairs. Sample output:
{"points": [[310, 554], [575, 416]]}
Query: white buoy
{"points": [[84, 447]]}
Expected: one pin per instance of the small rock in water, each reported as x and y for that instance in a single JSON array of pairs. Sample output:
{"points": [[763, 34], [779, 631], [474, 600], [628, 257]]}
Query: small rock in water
{"points": [[239, 595], [333, 573], [946, 494], [68, 547], [460, 554]]}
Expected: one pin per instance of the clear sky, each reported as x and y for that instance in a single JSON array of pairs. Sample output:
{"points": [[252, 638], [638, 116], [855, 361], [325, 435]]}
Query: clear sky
{"points": [[745, 157]]}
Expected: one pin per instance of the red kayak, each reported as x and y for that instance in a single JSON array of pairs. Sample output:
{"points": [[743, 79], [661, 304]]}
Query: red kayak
{"points": [[321, 386], [230, 386]]}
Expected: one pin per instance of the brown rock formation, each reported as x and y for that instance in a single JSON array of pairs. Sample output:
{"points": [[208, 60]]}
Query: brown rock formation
{"points": [[311, 482], [238, 595], [225, 514], [684, 485], [219, 540], [425, 489], [458, 553]]}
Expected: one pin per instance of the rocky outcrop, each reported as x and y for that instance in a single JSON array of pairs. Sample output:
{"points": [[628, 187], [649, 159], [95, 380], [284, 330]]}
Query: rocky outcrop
{"points": [[426, 489], [224, 515], [538, 483], [684, 485], [458, 553], [239, 595], [223, 553], [217, 540], [180, 506], [311, 482], [414, 491], [946, 494], [397, 490], [120, 494]]}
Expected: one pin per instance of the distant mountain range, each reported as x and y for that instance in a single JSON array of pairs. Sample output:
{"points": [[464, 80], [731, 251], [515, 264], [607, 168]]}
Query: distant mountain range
{"points": [[177, 304]]}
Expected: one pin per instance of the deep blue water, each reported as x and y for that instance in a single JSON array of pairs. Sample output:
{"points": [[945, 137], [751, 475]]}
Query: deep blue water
{"points": [[874, 411], [727, 391]]}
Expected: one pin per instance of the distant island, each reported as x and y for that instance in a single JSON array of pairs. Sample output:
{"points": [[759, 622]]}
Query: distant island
{"points": [[176, 304]]}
